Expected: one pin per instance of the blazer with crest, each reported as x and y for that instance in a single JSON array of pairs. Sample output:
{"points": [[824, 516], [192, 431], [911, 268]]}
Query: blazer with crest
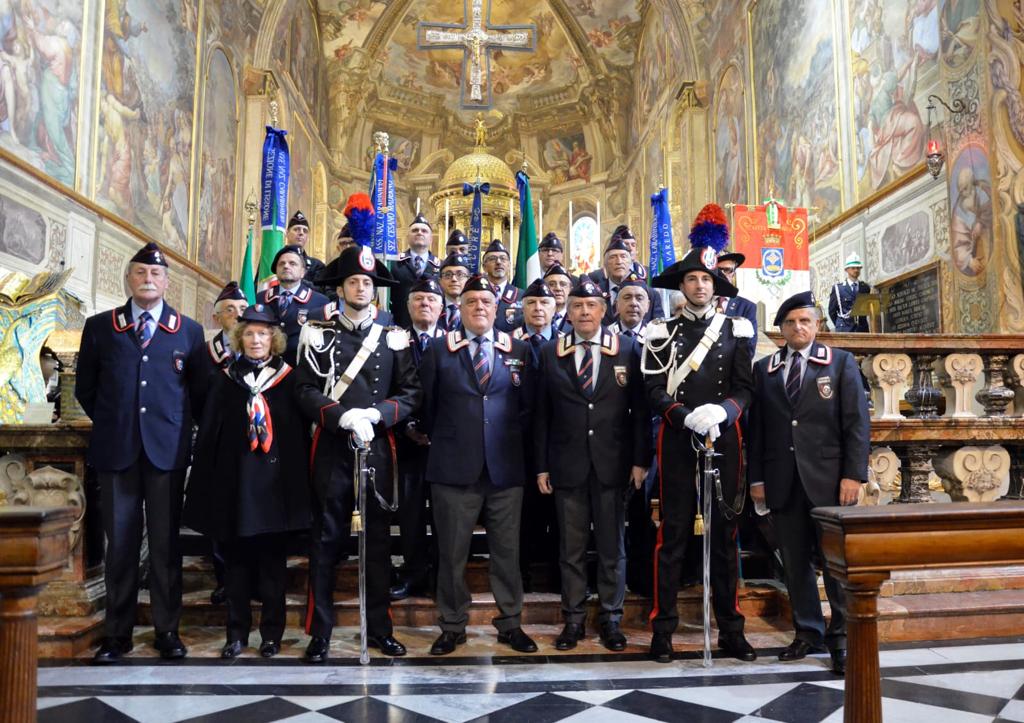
{"points": [[609, 431], [656, 310], [140, 399], [404, 272], [825, 437], [306, 304], [469, 428]]}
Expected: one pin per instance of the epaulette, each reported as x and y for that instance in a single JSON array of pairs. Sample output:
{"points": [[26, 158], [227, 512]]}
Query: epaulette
{"points": [[503, 342], [456, 340], [775, 362], [741, 327], [820, 354], [397, 338], [609, 344], [657, 329]]}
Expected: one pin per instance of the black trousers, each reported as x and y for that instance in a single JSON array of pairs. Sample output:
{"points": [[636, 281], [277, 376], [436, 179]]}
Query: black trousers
{"points": [[538, 532], [604, 508], [124, 494], [456, 512], [255, 563], [419, 552], [800, 544], [328, 541], [677, 469]]}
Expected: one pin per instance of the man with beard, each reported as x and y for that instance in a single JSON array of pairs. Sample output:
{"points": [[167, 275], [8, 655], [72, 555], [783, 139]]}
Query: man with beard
{"points": [[496, 264], [298, 235], [356, 382], [292, 298], [698, 373]]}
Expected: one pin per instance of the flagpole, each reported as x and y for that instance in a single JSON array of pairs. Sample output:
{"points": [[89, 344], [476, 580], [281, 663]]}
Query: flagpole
{"points": [[540, 225], [446, 213], [511, 223]]}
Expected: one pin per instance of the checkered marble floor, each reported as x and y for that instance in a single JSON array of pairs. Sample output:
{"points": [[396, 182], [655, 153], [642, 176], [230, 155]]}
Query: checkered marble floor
{"points": [[923, 683]]}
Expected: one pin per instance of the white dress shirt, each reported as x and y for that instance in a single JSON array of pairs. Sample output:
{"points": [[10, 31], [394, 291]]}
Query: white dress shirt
{"points": [[595, 350]]}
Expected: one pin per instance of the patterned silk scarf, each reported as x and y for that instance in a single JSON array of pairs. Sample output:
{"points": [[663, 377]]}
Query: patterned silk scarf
{"points": [[258, 378]]}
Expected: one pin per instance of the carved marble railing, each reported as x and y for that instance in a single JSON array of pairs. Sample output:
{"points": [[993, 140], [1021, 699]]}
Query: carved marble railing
{"points": [[947, 413]]}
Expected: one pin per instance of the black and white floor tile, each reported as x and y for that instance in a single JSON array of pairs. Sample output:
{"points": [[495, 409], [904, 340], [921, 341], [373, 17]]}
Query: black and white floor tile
{"points": [[939, 683]]}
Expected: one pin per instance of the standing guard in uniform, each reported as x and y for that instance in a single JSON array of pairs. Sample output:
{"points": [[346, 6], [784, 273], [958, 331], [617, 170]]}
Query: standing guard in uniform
{"points": [[496, 264], [453, 277], [477, 400], [618, 266], [698, 375], [810, 436], [592, 437], [550, 252], [356, 381], [140, 378], [412, 266], [631, 307], [419, 554], [843, 296], [292, 298], [560, 282], [298, 235], [625, 234]]}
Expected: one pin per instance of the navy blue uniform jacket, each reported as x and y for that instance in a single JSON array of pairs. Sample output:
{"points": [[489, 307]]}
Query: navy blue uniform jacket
{"points": [[140, 399], [469, 428]]}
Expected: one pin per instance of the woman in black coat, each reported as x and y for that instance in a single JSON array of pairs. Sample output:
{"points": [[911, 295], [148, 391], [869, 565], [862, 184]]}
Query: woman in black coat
{"points": [[250, 477]]}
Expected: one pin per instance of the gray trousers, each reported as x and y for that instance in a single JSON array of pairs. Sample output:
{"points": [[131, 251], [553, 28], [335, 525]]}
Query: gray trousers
{"points": [[798, 541], [456, 510], [577, 509]]}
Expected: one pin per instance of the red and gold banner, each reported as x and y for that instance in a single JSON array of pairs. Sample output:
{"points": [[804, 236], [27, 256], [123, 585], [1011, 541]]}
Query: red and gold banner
{"points": [[773, 238]]}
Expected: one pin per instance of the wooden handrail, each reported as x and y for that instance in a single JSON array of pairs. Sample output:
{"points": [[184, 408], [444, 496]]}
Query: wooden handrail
{"points": [[910, 343], [863, 545]]}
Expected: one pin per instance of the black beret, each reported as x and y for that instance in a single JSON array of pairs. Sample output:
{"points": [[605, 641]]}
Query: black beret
{"points": [[427, 284], [231, 292], [455, 260], [557, 270], [616, 245], [299, 219], [551, 241], [803, 300], [539, 289], [633, 280], [622, 231], [457, 238], [496, 247], [420, 218], [289, 249], [587, 289], [149, 254], [260, 313], [479, 283]]}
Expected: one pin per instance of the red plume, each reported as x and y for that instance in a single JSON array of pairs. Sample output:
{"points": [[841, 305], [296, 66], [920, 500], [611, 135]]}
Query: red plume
{"points": [[358, 200], [711, 213]]}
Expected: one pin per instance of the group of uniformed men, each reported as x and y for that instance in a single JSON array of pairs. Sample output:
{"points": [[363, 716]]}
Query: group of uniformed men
{"points": [[470, 392]]}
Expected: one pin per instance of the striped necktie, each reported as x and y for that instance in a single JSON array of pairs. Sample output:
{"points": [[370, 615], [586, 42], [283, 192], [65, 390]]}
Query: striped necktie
{"points": [[143, 330], [482, 362], [453, 317], [793, 377], [285, 301], [586, 371]]}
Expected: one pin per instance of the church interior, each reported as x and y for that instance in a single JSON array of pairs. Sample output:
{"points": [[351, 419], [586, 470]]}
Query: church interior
{"points": [[887, 131]]}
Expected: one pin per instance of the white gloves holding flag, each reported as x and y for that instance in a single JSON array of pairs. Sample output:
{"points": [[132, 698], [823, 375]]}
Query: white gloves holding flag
{"points": [[704, 420], [360, 422]]}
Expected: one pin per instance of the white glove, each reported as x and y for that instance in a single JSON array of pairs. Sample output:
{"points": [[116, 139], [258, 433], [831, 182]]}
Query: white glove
{"points": [[363, 431], [713, 433], [349, 418], [704, 417]]}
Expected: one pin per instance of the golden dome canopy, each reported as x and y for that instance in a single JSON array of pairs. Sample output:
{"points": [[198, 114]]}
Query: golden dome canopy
{"points": [[490, 169]]}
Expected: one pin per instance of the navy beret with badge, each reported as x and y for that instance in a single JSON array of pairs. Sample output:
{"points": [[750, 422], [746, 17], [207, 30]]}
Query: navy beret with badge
{"points": [[622, 231], [632, 279], [299, 219], [231, 292], [421, 219], [289, 249], [551, 241], [615, 245], [557, 270], [149, 254], [802, 300], [587, 289], [496, 247], [479, 283], [457, 238], [454, 259], [260, 313], [426, 285], [538, 289]]}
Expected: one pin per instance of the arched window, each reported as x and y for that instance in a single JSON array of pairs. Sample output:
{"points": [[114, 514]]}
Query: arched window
{"points": [[585, 245]]}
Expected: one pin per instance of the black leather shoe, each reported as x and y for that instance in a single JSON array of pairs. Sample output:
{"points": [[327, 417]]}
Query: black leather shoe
{"points": [[170, 646], [231, 650], [386, 644], [571, 634], [112, 650], [270, 648], [446, 643], [218, 596], [661, 648], [409, 588], [518, 641], [613, 638], [797, 650], [317, 650], [735, 645], [838, 661]]}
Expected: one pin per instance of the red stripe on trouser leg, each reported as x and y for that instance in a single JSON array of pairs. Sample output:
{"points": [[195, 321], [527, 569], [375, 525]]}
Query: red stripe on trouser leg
{"points": [[660, 539], [736, 529], [309, 603]]}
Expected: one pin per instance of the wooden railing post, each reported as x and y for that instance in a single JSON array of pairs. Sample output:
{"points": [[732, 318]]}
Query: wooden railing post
{"points": [[863, 677]]}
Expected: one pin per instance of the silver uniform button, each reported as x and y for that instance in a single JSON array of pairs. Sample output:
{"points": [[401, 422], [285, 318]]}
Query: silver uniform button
{"points": [[145, 357], [590, 432], [143, 382], [142, 410], [794, 422], [590, 406], [485, 397]]}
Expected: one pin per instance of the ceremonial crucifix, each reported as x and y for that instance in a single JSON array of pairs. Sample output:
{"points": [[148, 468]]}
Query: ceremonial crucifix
{"points": [[476, 39]]}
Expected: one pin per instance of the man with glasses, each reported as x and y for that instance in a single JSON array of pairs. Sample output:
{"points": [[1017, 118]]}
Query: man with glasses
{"points": [[560, 282], [737, 305], [496, 263], [808, 447], [550, 252], [453, 277]]}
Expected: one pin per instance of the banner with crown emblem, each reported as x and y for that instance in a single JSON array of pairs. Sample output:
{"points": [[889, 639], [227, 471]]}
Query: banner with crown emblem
{"points": [[382, 196], [774, 239]]}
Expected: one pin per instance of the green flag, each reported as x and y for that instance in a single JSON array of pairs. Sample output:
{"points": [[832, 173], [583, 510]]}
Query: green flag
{"points": [[527, 257], [247, 282]]}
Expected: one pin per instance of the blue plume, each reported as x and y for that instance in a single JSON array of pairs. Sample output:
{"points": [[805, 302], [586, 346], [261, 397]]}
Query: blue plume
{"points": [[711, 234]]}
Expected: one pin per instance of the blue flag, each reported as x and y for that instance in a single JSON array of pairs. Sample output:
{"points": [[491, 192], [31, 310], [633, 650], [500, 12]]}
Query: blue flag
{"points": [[663, 251], [475, 220], [382, 195], [274, 176]]}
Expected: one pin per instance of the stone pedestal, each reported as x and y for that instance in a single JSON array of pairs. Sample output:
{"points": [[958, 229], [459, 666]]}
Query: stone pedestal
{"points": [[963, 371], [974, 474], [34, 541], [890, 372]]}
